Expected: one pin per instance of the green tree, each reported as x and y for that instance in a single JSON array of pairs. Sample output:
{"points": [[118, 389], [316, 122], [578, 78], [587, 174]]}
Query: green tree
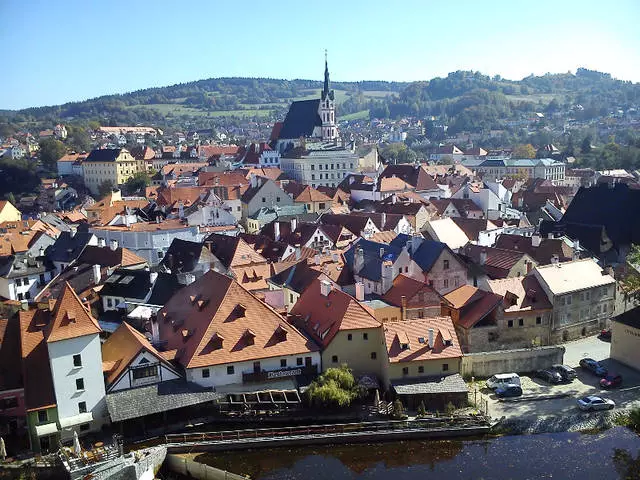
{"points": [[446, 160], [78, 139], [585, 146], [398, 410], [11, 198], [631, 281], [334, 388], [51, 150], [137, 183], [105, 188], [524, 151]]}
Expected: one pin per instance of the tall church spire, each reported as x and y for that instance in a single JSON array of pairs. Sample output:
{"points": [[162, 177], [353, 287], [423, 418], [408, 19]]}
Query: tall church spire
{"points": [[325, 90]]}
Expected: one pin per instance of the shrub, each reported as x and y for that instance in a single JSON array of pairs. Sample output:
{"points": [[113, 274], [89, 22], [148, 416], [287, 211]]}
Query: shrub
{"points": [[449, 408], [398, 410], [422, 411], [334, 388]]}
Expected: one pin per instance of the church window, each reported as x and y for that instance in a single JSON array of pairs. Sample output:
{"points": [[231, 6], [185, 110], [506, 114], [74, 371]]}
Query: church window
{"points": [[313, 167]]}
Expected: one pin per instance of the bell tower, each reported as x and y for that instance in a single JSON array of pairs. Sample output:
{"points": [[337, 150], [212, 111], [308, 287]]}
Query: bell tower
{"points": [[327, 110]]}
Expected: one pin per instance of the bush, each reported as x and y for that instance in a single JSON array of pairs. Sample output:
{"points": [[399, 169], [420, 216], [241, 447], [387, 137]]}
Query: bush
{"points": [[398, 410], [334, 388], [449, 408], [422, 411]]}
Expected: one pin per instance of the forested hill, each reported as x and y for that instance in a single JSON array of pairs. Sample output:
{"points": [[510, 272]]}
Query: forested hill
{"points": [[467, 100]]}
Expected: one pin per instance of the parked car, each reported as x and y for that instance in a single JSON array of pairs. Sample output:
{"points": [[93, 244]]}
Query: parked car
{"points": [[594, 402], [567, 373], [510, 390], [605, 334], [594, 367], [550, 376], [612, 380], [502, 379]]}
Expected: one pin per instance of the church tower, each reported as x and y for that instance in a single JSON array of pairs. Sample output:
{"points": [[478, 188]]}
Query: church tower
{"points": [[327, 109]]}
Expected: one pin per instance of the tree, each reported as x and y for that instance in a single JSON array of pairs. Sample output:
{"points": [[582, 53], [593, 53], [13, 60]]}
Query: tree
{"points": [[631, 281], [334, 388], [51, 150], [398, 410], [524, 151], [585, 147], [105, 188], [446, 160], [137, 183], [78, 139], [11, 198]]}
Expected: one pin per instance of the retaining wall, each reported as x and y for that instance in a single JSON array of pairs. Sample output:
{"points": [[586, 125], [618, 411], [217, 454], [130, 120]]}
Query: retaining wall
{"points": [[200, 471], [485, 364]]}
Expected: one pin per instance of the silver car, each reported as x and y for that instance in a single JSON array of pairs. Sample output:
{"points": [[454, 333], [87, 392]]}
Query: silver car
{"points": [[594, 402]]}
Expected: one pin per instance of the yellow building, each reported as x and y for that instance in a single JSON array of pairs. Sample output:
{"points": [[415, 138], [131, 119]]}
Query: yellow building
{"points": [[625, 338], [314, 201], [114, 165], [9, 213]]}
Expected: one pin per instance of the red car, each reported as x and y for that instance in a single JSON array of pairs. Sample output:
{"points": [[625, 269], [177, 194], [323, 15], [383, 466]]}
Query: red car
{"points": [[605, 334], [612, 380]]}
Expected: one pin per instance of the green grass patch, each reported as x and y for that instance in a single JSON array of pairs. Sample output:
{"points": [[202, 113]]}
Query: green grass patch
{"points": [[361, 115]]}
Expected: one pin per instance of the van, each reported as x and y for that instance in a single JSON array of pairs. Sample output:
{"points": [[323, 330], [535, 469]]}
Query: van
{"points": [[503, 379]]}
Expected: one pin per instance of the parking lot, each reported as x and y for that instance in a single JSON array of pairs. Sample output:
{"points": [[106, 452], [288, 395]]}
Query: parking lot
{"points": [[625, 396]]}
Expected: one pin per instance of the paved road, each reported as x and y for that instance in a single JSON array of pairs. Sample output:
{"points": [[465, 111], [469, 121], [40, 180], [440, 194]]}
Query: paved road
{"points": [[586, 384]]}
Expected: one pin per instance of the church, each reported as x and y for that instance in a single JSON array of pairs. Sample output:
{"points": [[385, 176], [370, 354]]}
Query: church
{"points": [[309, 119]]}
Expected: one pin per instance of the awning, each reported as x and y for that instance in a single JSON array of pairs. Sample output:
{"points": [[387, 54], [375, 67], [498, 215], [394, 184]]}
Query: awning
{"points": [[76, 420], [46, 429]]}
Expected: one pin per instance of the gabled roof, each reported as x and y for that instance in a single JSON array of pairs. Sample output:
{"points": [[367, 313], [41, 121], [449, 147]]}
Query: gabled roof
{"points": [[427, 252], [309, 194], [417, 293], [227, 178], [445, 230], [474, 304], [414, 334], [109, 257], [355, 224], [473, 226], [232, 251], [127, 284], [301, 119], [165, 286], [373, 259], [70, 318], [526, 292], [122, 347], [542, 254], [68, 246], [499, 262], [215, 321], [184, 256], [322, 317], [104, 155], [573, 276], [298, 277]]}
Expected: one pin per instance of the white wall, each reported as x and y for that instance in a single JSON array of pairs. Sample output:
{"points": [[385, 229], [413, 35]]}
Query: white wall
{"points": [[218, 373], [64, 376], [126, 380]]}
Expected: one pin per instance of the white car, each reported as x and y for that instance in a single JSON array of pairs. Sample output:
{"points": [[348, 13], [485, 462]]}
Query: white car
{"points": [[594, 402]]}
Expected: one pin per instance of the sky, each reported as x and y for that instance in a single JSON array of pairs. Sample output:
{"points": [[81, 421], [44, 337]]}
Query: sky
{"points": [[55, 52]]}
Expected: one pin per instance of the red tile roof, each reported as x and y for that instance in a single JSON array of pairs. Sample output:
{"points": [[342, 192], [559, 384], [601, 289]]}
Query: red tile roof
{"points": [[415, 334], [474, 304], [417, 293], [322, 317], [70, 318], [215, 321]]}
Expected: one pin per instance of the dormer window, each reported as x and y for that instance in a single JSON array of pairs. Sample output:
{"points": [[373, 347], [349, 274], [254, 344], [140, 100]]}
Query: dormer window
{"points": [[71, 317], [217, 341], [239, 311], [281, 333], [249, 336]]}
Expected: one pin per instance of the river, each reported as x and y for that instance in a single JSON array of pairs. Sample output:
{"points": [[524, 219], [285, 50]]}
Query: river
{"points": [[611, 454]]}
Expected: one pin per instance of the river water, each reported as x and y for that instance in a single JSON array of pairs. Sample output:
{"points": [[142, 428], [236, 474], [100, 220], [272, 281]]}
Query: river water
{"points": [[612, 454]]}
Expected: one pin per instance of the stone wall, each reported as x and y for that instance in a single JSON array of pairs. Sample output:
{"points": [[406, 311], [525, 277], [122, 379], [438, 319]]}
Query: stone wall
{"points": [[485, 364], [200, 471]]}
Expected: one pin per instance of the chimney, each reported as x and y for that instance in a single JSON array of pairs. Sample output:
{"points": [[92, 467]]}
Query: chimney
{"points": [[153, 276], [127, 223], [554, 259], [535, 240], [113, 244], [325, 288], [41, 252], [381, 252], [393, 198], [316, 259], [298, 251], [101, 242], [576, 250], [97, 274], [403, 304], [155, 331], [483, 257], [360, 291], [383, 221], [276, 230], [181, 210], [430, 338], [294, 224], [254, 181], [358, 260]]}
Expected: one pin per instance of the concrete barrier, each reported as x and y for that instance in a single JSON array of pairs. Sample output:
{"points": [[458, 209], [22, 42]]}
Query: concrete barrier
{"points": [[485, 364], [200, 471]]}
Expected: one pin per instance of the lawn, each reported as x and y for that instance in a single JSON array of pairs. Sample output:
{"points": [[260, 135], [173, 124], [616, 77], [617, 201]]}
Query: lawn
{"points": [[361, 115]]}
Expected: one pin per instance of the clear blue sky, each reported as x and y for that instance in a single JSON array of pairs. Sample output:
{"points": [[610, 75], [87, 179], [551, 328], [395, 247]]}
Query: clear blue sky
{"points": [[54, 52]]}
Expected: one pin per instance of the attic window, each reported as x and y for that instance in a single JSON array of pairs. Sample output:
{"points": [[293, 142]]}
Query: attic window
{"points": [[202, 303], [71, 317], [194, 298], [217, 341], [186, 333], [281, 333], [249, 336], [239, 311], [420, 339]]}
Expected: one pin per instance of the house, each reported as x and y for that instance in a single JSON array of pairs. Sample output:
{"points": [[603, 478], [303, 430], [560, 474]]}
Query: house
{"points": [[445, 230], [625, 338], [9, 213], [440, 267], [68, 247], [315, 201], [258, 155], [527, 313], [225, 337], [112, 165], [448, 152], [457, 208], [345, 330], [490, 203], [320, 164], [476, 315], [359, 225], [184, 256], [62, 367], [22, 276], [66, 162], [375, 265], [498, 262], [582, 295], [416, 177], [12, 400], [543, 250], [263, 192], [423, 362], [125, 286], [104, 211], [415, 298]]}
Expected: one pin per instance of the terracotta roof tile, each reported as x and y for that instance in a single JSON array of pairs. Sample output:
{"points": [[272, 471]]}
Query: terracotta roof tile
{"points": [[416, 292], [527, 294], [474, 304], [36, 370], [415, 334], [312, 195], [70, 318]]}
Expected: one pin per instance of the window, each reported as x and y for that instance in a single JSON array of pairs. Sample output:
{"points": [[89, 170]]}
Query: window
{"points": [[283, 363], [160, 255], [421, 369], [77, 360], [446, 283], [42, 416], [9, 402], [27, 295], [445, 265], [299, 361], [405, 370], [277, 199], [84, 427], [313, 176], [406, 269], [18, 282], [82, 407], [322, 206], [538, 320], [510, 323], [374, 355], [230, 370], [109, 302], [334, 359], [365, 336], [307, 361], [445, 367], [349, 337], [79, 383], [145, 372], [521, 322], [264, 200], [206, 373], [313, 167]]}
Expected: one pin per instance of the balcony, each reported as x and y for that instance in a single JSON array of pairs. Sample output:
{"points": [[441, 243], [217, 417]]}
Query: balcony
{"points": [[264, 376]]}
